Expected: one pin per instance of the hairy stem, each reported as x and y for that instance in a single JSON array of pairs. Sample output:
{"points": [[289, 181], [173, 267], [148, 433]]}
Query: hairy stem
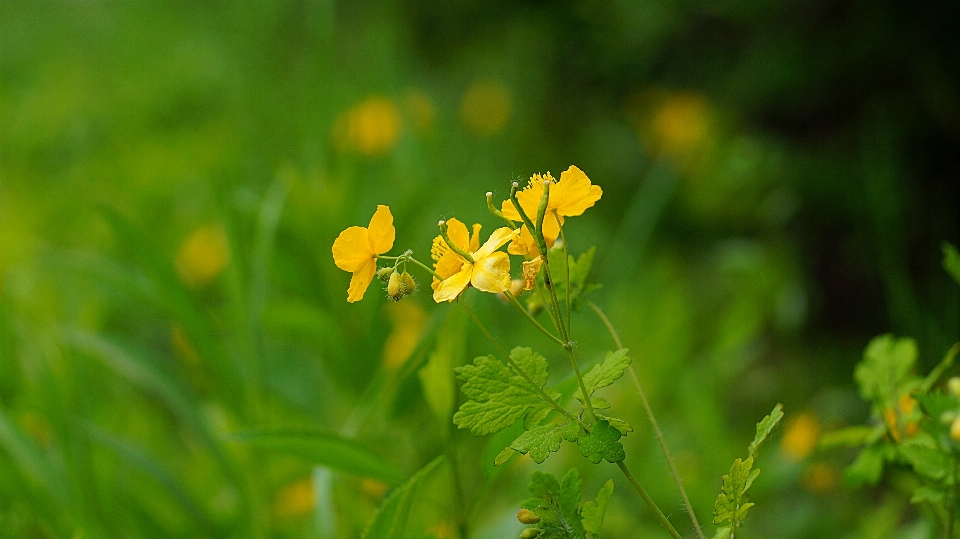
{"points": [[652, 504], [530, 318], [653, 422]]}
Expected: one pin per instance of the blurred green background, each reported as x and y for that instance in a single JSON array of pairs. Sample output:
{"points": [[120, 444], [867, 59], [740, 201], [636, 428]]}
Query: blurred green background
{"points": [[778, 178]]}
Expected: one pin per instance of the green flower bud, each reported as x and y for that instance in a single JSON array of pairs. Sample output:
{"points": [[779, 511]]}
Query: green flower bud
{"points": [[530, 533], [384, 274], [400, 285], [526, 516], [953, 385]]}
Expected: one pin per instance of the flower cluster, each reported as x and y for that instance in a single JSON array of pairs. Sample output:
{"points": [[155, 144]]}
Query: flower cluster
{"points": [[534, 215]]}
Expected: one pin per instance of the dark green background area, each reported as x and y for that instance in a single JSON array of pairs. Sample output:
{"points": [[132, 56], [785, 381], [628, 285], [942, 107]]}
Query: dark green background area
{"points": [[746, 268]]}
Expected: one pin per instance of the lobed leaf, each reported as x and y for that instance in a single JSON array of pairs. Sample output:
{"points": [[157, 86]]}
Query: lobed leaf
{"points": [[606, 373], [498, 396], [951, 260], [593, 512], [886, 364], [602, 443], [539, 442], [390, 522], [764, 427]]}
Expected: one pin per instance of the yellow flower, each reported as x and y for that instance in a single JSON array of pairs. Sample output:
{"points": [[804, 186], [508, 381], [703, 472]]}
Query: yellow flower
{"points": [[371, 127], [356, 249], [203, 255], [801, 437], [486, 108], [569, 197], [489, 271], [294, 500]]}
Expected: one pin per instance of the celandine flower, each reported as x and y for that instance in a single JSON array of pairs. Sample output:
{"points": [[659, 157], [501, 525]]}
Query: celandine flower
{"points": [[356, 249], [489, 271], [569, 197]]}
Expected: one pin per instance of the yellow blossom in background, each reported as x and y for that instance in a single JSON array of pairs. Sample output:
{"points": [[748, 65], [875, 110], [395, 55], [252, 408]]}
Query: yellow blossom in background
{"points": [[801, 437], [443, 530], [371, 127], [485, 108], [420, 110], [356, 249], [295, 499], [680, 124], [203, 255], [821, 477], [569, 197], [489, 271], [902, 421], [373, 489], [408, 320]]}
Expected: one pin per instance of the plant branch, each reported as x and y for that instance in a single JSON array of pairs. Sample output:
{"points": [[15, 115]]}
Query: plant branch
{"points": [[652, 504], [653, 422]]}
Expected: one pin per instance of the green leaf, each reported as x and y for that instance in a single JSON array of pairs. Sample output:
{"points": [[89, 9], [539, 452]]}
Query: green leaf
{"points": [[601, 443], [498, 396], [764, 427], [926, 494], [927, 461], [504, 456], [437, 384], [618, 424], [605, 373], [723, 533], [935, 404], [727, 508], [886, 363], [951, 260], [390, 522], [851, 436], [571, 432], [579, 270], [593, 512], [539, 442], [556, 504], [940, 369], [867, 467], [326, 450]]}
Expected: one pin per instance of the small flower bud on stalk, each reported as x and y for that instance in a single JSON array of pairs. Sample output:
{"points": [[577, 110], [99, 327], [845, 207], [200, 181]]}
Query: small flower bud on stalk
{"points": [[526, 516], [384, 274], [955, 430], [953, 385], [400, 285], [530, 533]]}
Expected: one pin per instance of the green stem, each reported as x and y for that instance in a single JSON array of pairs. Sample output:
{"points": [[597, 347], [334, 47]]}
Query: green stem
{"points": [[653, 422], [652, 504], [493, 209], [513, 364], [530, 318], [443, 234], [566, 263]]}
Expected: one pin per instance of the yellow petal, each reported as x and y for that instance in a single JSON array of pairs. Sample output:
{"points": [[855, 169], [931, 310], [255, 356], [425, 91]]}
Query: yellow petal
{"points": [[496, 240], [457, 232], [381, 230], [492, 273], [351, 249], [530, 270], [508, 211], [574, 193], [449, 264], [551, 228], [361, 280], [453, 286], [475, 238]]}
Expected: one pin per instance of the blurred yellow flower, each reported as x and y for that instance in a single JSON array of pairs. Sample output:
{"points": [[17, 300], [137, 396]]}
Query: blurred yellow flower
{"points": [[902, 421], [371, 127], [821, 477], [295, 499], [680, 123], [408, 321], [569, 197], [801, 437], [489, 271], [356, 249], [203, 255], [486, 108], [373, 488]]}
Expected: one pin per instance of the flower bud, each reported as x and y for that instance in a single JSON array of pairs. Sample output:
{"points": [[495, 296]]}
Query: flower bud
{"points": [[955, 430], [526, 516], [530, 533], [400, 285], [384, 274], [953, 385]]}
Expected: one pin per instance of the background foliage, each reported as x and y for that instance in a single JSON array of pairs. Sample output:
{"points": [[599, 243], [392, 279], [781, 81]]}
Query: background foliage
{"points": [[778, 178]]}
